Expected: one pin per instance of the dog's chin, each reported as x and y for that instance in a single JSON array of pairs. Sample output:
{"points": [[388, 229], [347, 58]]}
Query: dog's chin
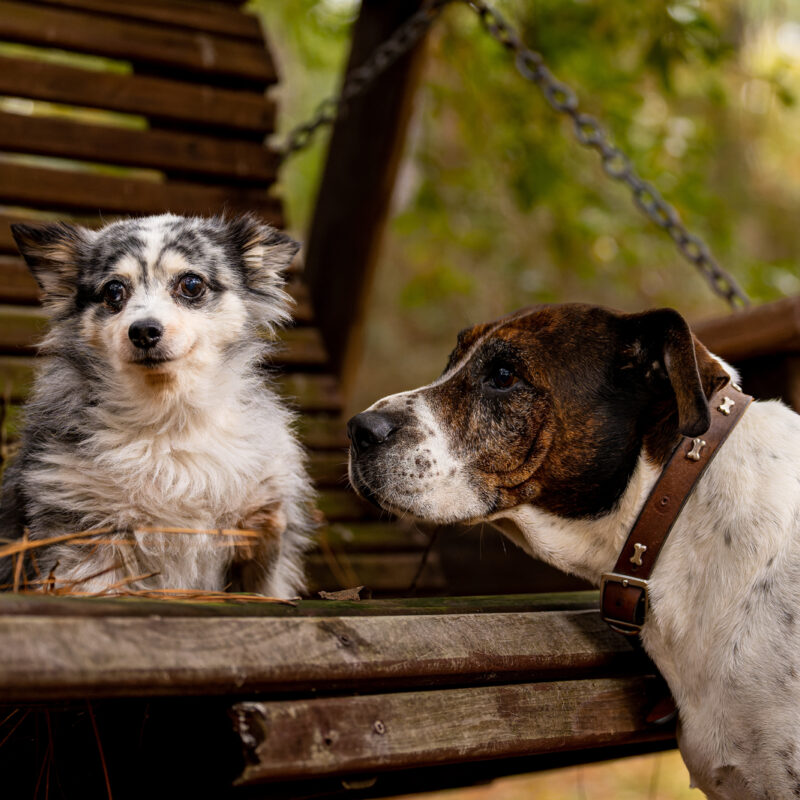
{"points": [[366, 492], [153, 362]]}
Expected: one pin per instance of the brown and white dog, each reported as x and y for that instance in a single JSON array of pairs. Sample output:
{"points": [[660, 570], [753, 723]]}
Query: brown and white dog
{"points": [[553, 424]]}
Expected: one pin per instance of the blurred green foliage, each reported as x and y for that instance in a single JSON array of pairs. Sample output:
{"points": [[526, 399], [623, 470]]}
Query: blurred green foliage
{"points": [[496, 206]]}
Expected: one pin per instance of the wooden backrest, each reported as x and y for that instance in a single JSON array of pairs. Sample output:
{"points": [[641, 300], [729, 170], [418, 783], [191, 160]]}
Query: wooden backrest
{"points": [[158, 106], [161, 105]]}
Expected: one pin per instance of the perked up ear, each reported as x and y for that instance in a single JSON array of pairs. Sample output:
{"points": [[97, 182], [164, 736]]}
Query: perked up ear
{"points": [[266, 252], [52, 253], [693, 373]]}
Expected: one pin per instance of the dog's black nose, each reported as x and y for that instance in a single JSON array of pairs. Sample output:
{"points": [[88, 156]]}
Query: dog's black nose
{"points": [[145, 333], [367, 429]]}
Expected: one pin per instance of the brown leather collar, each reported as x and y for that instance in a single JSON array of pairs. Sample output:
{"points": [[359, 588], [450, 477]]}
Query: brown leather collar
{"points": [[623, 592]]}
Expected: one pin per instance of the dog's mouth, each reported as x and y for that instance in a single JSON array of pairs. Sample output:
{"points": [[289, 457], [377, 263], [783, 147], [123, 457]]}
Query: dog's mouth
{"points": [[360, 486], [151, 362]]}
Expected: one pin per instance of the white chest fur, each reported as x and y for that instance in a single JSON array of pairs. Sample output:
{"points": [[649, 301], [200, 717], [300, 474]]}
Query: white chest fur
{"points": [[192, 466]]}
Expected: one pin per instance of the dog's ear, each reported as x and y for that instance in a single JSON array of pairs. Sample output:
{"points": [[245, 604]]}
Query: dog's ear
{"points": [[52, 254], [666, 346], [265, 251]]}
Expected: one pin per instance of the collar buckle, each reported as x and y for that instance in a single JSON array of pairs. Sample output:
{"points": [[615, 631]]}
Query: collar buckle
{"points": [[628, 627]]}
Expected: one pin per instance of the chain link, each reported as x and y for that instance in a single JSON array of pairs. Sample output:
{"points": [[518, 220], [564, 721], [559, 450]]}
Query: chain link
{"points": [[589, 132], [562, 99], [360, 78]]}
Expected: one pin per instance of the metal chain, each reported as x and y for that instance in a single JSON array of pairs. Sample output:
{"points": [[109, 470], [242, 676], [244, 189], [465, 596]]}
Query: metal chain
{"points": [[616, 164], [562, 99], [359, 79]]}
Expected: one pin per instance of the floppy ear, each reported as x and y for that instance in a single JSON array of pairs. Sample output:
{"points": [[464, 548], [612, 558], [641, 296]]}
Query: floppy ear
{"points": [[265, 251], [694, 375], [52, 253]]}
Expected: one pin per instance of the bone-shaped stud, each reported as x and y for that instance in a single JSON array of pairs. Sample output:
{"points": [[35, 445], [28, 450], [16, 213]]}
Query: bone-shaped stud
{"points": [[636, 558], [697, 446], [726, 406]]}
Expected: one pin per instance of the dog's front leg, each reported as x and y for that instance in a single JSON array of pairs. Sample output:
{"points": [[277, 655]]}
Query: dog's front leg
{"points": [[256, 557]]}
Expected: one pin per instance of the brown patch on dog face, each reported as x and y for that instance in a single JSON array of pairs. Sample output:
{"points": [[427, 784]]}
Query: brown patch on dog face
{"points": [[590, 388], [546, 436], [551, 406]]}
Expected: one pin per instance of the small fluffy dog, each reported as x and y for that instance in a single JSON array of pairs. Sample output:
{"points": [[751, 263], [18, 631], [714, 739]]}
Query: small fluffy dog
{"points": [[554, 424], [150, 409]]}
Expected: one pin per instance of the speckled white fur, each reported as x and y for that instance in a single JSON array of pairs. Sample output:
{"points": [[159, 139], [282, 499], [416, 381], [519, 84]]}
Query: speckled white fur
{"points": [[724, 622], [200, 441]]}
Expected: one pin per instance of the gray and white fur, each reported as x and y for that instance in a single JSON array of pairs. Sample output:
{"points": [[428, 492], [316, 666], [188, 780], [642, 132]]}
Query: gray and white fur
{"points": [[151, 408]]}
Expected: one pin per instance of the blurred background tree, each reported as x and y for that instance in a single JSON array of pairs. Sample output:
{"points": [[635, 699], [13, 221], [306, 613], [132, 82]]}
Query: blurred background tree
{"points": [[497, 207]]}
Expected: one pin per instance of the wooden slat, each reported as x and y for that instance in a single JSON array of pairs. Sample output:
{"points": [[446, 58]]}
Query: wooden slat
{"points": [[363, 158], [385, 573], [352, 735], [21, 328], [160, 99], [329, 468], [300, 348], [341, 504], [758, 331], [41, 605], [140, 42], [125, 656], [309, 392], [302, 313], [375, 537], [312, 392], [324, 432], [16, 377], [205, 16], [16, 283], [184, 153], [88, 192]]}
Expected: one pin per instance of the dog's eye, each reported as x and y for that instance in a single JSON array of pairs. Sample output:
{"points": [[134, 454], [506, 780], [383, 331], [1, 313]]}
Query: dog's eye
{"points": [[191, 286], [114, 294], [501, 377]]}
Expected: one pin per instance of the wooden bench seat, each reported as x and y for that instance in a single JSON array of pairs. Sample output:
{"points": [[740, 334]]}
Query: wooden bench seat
{"points": [[342, 689], [366, 698]]}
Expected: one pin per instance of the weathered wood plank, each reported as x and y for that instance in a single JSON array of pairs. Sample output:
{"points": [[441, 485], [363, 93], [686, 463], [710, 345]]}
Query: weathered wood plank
{"points": [[143, 43], [387, 536], [324, 432], [757, 331], [160, 99], [363, 158], [329, 469], [88, 192], [41, 605], [16, 377], [182, 153], [124, 656], [384, 573], [340, 736], [22, 327], [206, 16], [345, 504], [16, 283], [300, 348], [313, 393]]}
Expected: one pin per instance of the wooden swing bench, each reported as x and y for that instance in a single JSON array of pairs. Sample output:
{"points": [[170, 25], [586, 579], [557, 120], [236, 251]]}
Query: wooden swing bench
{"points": [[357, 697]]}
